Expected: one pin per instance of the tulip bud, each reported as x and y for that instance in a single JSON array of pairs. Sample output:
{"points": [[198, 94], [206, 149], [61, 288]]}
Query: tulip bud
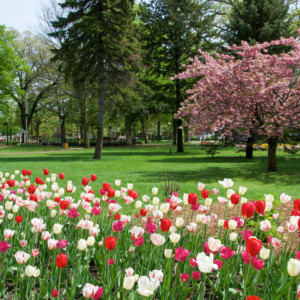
{"points": [[233, 236], [15, 208], [293, 267], [138, 204], [232, 224], [154, 191], [242, 190], [53, 213], [82, 244], [117, 194], [220, 223], [8, 205], [130, 186], [61, 191], [155, 201], [168, 253], [90, 241], [117, 182], [264, 253], [244, 200], [57, 228], [208, 202], [128, 282], [269, 206], [229, 193], [165, 207], [172, 229], [230, 205], [179, 222], [174, 238]]}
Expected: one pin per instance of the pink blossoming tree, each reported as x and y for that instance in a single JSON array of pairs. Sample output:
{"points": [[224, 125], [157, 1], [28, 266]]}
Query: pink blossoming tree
{"points": [[249, 91]]}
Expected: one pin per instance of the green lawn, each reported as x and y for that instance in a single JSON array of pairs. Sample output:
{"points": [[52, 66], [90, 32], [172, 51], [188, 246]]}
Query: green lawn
{"points": [[146, 166]]}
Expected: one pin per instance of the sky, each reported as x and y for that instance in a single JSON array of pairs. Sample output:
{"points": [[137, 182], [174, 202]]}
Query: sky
{"points": [[20, 14]]}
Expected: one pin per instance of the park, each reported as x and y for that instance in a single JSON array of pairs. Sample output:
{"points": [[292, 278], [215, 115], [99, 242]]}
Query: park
{"points": [[150, 150]]}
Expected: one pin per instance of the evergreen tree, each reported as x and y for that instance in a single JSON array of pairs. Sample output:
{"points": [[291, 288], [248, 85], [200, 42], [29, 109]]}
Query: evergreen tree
{"points": [[173, 31], [258, 21], [97, 33]]}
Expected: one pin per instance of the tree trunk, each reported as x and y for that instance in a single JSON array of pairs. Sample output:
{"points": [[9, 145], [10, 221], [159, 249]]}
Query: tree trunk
{"points": [[272, 163], [179, 122], [249, 148], [128, 130], [81, 132], [37, 130], [186, 134], [144, 130], [101, 108], [158, 131], [174, 132], [93, 133]]}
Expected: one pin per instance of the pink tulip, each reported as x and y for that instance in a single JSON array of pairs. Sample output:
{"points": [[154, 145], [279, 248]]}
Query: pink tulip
{"points": [[4, 246], [184, 277], [96, 211], [111, 262], [219, 263], [139, 242], [73, 213], [117, 226], [193, 262], [226, 252], [181, 254], [62, 244], [246, 234], [246, 257], [258, 264], [196, 275], [298, 255]]}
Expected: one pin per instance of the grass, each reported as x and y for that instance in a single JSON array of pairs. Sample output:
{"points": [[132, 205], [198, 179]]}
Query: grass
{"points": [[146, 167]]}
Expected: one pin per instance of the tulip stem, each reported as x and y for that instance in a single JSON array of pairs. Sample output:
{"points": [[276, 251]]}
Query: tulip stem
{"points": [[59, 283], [246, 276]]}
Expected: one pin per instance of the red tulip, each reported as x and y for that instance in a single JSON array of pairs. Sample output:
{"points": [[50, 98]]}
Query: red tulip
{"points": [[235, 198], [165, 224], [38, 180], [33, 198], [110, 192], [297, 204], [57, 199], [204, 194], [117, 216], [24, 172], [85, 181], [226, 224], [106, 186], [19, 219], [64, 204], [260, 206], [110, 242], [253, 298], [299, 224], [253, 246], [248, 209], [61, 175], [133, 194], [10, 182], [192, 199], [28, 172], [31, 189], [46, 172], [143, 212], [295, 213], [61, 260], [93, 177]]}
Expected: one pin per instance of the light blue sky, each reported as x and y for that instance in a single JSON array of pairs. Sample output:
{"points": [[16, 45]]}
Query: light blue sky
{"points": [[20, 14]]}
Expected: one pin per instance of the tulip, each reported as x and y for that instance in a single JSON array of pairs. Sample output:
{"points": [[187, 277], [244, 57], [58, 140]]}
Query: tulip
{"points": [[253, 246], [264, 253], [219, 263], [147, 286], [265, 225], [57, 228], [19, 219], [204, 194], [248, 209], [110, 242], [168, 253], [21, 257], [196, 275], [4, 246], [253, 298], [61, 260], [235, 198], [260, 207], [226, 183], [174, 238], [205, 263], [226, 252], [192, 198], [184, 277], [165, 224], [213, 244], [54, 293], [297, 204], [293, 267], [61, 176], [181, 254], [128, 282], [157, 239]]}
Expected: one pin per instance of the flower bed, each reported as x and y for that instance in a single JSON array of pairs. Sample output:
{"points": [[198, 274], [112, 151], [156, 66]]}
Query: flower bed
{"points": [[59, 241]]}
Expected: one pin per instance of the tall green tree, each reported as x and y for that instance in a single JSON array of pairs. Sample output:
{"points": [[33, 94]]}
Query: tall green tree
{"points": [[173, 31], [95, 44], [258, 21]]}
